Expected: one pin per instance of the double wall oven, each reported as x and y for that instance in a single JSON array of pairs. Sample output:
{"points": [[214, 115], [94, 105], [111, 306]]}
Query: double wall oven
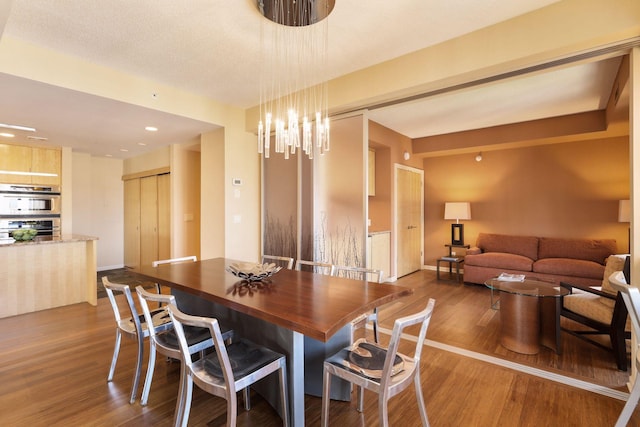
{"points": [[29, 206]]}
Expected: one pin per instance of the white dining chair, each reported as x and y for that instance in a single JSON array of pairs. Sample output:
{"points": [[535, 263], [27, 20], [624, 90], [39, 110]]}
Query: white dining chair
{"points": [[166, 343], [384, 371], [190, 258], [314, 267], [283, 261], [225, 371], [134, 326], [362, 273]]}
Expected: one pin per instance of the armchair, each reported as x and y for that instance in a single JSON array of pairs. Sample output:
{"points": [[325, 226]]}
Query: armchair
{"points": [[602, 311]]}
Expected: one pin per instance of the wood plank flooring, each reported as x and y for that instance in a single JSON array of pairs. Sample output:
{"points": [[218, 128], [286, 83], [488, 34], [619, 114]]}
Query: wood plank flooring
{"points": [[54, 363]]}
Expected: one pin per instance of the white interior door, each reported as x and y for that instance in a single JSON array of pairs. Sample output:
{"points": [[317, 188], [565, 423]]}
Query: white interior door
{"points": [[409, 219]]}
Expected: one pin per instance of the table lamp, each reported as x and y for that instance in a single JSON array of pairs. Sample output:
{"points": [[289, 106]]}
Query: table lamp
{"points": [[457, 211]]}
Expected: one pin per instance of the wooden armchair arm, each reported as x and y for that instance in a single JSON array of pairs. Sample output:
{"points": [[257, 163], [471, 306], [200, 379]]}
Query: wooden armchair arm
{"points": [[588, 289]]}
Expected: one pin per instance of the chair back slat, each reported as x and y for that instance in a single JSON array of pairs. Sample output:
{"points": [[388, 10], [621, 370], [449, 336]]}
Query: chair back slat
{"points": [[283, 261], [359, 273], [422, 317], [314, 266], [191, 258]]}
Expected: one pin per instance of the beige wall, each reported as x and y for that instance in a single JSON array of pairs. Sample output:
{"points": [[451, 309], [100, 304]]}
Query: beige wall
{"points": [[98, 206], [185, 199], [561, 190], [212, 231]]}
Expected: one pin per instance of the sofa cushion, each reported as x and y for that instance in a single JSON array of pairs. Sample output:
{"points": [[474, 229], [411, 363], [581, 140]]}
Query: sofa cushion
{"points": [[591, 306], [588, 305], [500, 260], [569, 267], [588, 249], [526, 246]]}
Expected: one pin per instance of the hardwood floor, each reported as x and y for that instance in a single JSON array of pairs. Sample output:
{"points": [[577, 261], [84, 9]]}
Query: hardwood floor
{"points": [[54, 363]]}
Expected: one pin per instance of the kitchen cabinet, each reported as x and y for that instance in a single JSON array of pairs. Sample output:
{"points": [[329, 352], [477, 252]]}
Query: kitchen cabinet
{"points": [[147, 220], [19, 158], [379, 252]]}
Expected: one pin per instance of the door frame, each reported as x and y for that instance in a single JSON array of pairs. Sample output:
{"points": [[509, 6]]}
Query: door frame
{"points": [[394, 219]]}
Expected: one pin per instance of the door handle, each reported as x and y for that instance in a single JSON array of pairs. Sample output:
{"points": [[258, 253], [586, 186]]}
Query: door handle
{"points": [[411, 227]]}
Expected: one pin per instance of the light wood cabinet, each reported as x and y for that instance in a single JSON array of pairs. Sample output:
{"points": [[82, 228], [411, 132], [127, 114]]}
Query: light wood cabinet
{"points": [[379, 252], [19, 158], [147, 220]]}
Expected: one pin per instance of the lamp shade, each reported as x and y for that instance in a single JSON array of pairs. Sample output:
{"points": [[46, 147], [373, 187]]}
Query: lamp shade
{"points": [[457, 210], [624, 211]]}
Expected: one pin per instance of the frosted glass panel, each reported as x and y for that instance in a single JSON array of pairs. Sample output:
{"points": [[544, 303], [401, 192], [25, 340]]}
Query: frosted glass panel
{"points": [[280, 180], [339, 195]]}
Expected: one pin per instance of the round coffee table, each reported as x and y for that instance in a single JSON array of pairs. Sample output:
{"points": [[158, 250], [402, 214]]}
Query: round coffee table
{"points": [[529, 314]]}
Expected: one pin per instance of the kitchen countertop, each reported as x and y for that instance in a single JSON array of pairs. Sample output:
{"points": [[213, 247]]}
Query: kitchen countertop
{"points": [[42, 240]]}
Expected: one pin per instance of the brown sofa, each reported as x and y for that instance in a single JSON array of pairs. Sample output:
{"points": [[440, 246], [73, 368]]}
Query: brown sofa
{"points": [[575, 261]]}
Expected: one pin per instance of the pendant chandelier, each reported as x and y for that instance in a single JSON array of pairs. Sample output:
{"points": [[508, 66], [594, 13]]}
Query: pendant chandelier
{"points": [[293, 86]]}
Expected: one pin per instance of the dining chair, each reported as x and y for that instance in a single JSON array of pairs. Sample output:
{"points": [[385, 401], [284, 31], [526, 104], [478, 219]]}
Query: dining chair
{"points": [[384, 371], [631, 297], [190, 258], [134, 326], [314, 267], [284, 261], [166, 343], [226, 370], [362, 273]]}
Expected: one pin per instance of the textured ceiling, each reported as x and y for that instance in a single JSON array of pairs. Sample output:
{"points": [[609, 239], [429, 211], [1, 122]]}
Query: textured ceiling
{"points": [[211, 48]]}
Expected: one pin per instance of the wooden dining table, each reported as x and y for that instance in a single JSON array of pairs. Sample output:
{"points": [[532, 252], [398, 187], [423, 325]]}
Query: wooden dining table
{"points": [[291, 311]]}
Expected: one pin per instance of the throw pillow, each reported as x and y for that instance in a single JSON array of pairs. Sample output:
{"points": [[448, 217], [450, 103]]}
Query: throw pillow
{"points": [[614, 263]]}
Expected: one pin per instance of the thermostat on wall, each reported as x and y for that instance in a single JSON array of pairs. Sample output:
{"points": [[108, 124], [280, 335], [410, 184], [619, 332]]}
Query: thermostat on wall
{"points": [[236, 181]]}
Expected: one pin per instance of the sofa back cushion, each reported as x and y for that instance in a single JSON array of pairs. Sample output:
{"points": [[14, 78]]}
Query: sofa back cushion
{"points": [[588, 249], [520, 245]]}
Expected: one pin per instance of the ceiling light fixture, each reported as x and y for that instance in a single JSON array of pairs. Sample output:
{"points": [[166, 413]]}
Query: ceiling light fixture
{"points": [[479, 157], [38, 138], [6, 135], [151, 128], [293, 86], [17, 127]]}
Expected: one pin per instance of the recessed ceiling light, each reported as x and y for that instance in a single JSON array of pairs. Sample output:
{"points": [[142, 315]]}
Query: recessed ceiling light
{"points": [[142, 143], [124, 150], [38, 138], [7, 134], [151, 128], [17, 127], [108, 155]]}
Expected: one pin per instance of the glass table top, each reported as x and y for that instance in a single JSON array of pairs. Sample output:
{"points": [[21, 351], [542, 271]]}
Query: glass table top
{"points": [[529, 286]]}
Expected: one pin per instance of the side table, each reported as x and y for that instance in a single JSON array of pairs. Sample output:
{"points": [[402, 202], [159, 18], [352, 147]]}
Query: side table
{"points": [[451, 260]]}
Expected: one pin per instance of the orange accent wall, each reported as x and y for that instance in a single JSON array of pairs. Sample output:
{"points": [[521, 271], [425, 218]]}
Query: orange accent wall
{"points": [[559, 190]]}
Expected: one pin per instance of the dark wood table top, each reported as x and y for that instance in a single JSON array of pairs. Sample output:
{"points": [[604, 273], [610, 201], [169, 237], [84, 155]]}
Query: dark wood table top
{"points": [[312, 304]]}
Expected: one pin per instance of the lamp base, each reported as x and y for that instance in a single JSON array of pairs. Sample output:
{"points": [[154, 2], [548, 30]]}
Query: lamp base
{"points": [[457, 234]]}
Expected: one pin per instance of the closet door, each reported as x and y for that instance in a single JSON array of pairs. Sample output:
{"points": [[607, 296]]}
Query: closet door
{"points": [[148, 220], [164, 217]]}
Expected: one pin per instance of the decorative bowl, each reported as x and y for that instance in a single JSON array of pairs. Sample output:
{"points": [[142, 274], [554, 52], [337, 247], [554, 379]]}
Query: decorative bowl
{"points": [[253, 272], [24, 234]]}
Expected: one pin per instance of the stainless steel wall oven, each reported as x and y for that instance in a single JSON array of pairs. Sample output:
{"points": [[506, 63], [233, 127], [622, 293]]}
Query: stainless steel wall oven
{"points": [[29, 206], [29, 200]]}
